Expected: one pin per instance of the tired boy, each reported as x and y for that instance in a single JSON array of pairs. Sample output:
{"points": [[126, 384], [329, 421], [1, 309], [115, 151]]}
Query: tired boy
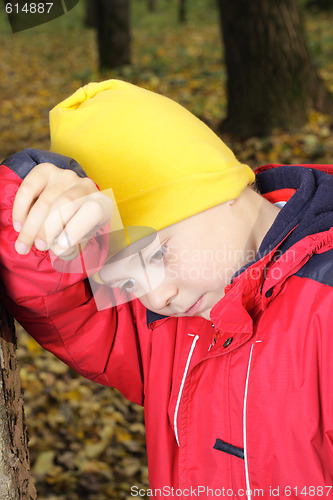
{"points": [[231, 352]]}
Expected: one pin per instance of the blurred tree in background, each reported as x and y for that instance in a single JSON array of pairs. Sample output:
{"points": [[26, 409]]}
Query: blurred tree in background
{"points": [[319, 4], [90, 16], [272, 81], [152, 4], [112, 21], [182, 16]]}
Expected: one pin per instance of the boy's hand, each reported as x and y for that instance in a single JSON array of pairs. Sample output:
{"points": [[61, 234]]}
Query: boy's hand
{"points": [[36, 214]]}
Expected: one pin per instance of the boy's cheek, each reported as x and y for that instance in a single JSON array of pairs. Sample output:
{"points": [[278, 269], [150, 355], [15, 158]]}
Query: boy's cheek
{"points": [[172, 255], [173, 272]]}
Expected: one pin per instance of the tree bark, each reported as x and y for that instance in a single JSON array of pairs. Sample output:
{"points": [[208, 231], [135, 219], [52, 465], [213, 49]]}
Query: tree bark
{"points": [[151, 5], [113, 32], [90, 14], [182, 14], [320, 4], [272, 81], [15, 481]]}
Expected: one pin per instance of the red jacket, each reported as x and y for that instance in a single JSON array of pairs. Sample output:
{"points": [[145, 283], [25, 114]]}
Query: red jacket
{"points": [[250, 416]]}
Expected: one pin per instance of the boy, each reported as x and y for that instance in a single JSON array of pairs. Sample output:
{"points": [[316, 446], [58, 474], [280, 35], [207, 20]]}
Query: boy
{"points": [[231, 353]]}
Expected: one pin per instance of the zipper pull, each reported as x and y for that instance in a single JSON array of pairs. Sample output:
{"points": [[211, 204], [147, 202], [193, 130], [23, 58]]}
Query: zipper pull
{"points": [[215, 337]]}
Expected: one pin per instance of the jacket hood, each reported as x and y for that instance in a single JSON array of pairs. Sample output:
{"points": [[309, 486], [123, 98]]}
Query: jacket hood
{"points": [[307, 194], [310, 208]]}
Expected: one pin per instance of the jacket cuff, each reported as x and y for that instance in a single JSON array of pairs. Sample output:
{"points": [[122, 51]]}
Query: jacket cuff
{"points": [[23, 162]]}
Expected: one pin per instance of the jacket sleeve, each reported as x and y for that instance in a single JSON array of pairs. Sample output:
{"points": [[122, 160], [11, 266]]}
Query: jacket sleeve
{"points": [[58, 308]]}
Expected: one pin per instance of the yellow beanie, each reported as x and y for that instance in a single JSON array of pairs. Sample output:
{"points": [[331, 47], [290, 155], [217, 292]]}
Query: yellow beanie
{"points": [[162, 162]]}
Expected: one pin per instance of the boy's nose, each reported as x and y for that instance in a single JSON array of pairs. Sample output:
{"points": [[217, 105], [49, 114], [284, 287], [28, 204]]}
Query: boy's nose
{"points": [[161, 296]]}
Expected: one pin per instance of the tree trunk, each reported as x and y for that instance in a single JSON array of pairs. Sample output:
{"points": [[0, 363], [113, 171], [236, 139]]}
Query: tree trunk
{"points": [[271, 79], [182, 15], [319, 4], [15, 481], [113, 32], [151, 5], [90, 14]]}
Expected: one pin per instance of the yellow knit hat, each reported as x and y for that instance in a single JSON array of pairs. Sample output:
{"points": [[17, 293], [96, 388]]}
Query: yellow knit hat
{"points": [[162, 162]]}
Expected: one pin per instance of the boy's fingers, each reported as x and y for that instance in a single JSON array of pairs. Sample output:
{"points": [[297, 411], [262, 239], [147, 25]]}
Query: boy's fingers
{"points": [[43, 176], [70, 254], [32, 225], [93, 213], [57, 220], [28, 191], [45, 205], [85, 223], [64, 207], [34, 229]]}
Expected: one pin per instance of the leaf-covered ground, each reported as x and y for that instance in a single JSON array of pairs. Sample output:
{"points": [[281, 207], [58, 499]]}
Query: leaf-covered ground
{"points": [[86, 441]]}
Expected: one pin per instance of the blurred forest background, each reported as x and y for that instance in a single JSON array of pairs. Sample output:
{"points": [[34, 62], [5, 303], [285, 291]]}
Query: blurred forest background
{"points": [[87, 441]]}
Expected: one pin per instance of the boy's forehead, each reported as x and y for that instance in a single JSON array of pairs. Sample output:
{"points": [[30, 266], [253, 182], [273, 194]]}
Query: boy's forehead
{"points": [[119, 249], [133, 248]]}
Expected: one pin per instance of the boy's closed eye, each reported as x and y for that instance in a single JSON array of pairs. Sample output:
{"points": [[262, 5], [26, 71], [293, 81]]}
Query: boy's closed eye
{"points": [[130, 284]]}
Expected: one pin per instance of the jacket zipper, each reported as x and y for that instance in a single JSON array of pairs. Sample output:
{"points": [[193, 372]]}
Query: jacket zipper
{"points": [[248, 486], [182, 386]]}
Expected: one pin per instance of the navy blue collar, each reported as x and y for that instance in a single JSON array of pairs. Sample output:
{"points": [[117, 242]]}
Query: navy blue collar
{"points": [[309, 210], [152, 316]]}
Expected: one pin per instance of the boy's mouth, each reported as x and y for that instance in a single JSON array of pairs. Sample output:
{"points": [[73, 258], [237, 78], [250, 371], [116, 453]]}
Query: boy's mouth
{"points": [[194, 308]]}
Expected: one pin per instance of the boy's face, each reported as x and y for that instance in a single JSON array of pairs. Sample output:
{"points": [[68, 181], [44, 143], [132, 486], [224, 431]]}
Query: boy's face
{"points": [[188, 265]]}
